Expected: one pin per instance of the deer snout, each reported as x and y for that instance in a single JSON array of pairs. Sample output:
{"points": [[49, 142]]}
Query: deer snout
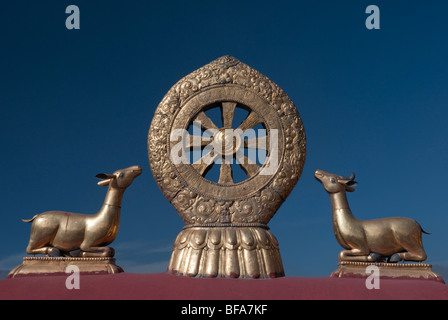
{"points": [[318, 174], [136, 169]]}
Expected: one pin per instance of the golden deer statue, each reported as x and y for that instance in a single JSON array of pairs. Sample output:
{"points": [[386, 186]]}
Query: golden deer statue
{"points": [[56, 233], [395, 239]]}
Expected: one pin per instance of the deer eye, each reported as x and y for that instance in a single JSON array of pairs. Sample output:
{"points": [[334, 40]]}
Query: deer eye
{"points": [[121, 175], [332, 180]]}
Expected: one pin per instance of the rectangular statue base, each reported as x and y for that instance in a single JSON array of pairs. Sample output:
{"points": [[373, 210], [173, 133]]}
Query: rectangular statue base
{"points": [[419, 271], [45, 266]]}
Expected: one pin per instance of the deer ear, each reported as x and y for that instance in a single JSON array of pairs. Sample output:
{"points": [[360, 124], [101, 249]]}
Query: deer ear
{"points": [[101, 176], [352, 183], [349, 189], [105, 178], [348, 184]]}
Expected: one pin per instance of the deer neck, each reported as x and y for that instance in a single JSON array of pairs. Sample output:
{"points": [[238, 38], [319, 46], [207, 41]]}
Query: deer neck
{"points": [[107, 220], [339, 201], [112, 202], [343, 218]]}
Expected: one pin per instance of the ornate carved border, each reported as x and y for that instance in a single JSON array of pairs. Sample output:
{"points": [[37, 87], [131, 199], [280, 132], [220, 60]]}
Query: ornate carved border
{"points": [[262, 202]]}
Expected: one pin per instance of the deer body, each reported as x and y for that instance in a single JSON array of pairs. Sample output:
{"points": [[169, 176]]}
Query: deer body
{"points": [[87, 235], [396, 238]]}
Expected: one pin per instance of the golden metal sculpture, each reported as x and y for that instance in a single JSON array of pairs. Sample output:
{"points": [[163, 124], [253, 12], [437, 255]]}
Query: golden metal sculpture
{"points": [[56, 233], [395, 239], [226, 232]]}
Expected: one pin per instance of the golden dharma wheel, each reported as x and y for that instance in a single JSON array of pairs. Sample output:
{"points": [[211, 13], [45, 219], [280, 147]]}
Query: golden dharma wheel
{"points": [[228, 118]]}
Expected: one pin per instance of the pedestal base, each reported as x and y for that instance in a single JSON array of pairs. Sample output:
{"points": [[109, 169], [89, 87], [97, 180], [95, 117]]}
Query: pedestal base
{"points": [[419, 271], [230, 252], [42, 266]]}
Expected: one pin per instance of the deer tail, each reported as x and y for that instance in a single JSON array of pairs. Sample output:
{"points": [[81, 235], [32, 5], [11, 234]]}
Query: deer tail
{"points": [[424, 230], [30, 220]]}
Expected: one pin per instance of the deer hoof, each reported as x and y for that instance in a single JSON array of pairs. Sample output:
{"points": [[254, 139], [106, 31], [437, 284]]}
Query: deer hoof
{"points": [[75, 253], [376, 257], [395, 258], [110, 252], [54, 252]]}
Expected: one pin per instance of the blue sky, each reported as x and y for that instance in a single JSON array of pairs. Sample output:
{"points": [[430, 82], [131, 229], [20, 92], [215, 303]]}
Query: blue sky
{"points": [[78, 102]]}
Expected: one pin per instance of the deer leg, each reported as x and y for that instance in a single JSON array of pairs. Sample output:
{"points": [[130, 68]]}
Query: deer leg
{"points": [[355, 255], [412, 250], [40, 240], [43, 250], [73, 253], [48, 251], [39, 245], [97, 251], [416, 255]]}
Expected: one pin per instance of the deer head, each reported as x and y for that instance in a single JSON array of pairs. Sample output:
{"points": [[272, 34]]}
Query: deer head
{"points": [[121, 178], [333, 183]]}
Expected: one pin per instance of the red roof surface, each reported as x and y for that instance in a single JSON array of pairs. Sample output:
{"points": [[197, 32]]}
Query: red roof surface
{"points": [[164, 286]]}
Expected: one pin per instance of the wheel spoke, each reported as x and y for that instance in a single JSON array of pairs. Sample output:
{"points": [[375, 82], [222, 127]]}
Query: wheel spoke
{"points": [[260, 143], [251, 121], [225, 175], [197, 142], [248, 166], [206, 161], [228, 112], [205, 121]]}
